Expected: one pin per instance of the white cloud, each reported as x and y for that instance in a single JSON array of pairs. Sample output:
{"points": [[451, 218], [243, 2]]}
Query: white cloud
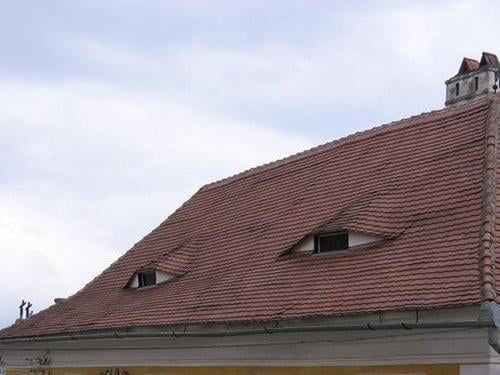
{"points": [[357, 59]]}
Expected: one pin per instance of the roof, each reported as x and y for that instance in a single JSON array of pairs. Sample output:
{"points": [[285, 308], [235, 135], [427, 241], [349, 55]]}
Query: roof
{"points": [[489, 59], [426, 184], [468, 65]]}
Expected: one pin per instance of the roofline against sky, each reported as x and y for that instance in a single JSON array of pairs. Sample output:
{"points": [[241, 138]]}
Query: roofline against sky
{"points": [[360, 135]]}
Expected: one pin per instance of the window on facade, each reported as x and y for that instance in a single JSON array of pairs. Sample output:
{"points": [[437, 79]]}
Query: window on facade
{"points": [[457, 89], [146, 279], [476, 83], [331, 242]]}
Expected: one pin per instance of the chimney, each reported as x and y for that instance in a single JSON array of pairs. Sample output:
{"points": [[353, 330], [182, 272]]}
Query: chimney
{"points": [[474, 80]]}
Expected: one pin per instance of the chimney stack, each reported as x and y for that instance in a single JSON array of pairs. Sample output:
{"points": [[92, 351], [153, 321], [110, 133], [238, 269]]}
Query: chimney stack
{"points": [[474, 80]]}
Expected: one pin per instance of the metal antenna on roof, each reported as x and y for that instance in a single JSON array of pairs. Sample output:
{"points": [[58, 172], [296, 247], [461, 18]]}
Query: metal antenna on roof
{"points": [[21, 309], [28, 309]]}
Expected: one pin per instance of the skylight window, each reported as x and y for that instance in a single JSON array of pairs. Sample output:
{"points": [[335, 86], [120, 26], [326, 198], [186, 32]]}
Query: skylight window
{"points": [[146, 279], [331, 242]]}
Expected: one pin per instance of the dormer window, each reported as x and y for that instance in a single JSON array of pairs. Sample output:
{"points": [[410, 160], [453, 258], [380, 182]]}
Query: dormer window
{"points": [[334, 242], [331, 242], [146, 279]]}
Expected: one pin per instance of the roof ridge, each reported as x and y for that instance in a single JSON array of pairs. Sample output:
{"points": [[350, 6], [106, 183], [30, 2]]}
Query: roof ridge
{"points": [[336, 143], [487, 234]]}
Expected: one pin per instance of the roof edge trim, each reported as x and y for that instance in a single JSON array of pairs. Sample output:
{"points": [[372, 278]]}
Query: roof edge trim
{"points": [[487, 239]]}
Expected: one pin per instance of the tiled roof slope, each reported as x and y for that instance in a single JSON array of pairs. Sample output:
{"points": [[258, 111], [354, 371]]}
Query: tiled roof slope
{"points": [[425, 184]]}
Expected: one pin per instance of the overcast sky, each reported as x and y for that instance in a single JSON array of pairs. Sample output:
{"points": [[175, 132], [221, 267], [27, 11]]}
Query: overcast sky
{"points": [[112, 113]]}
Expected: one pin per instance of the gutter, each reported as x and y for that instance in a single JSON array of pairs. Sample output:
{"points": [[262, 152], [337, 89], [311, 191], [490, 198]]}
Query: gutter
{"points": [[489, 317], [479, 323]]}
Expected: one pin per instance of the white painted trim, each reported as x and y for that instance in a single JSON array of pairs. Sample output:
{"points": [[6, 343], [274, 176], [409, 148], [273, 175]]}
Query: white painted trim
{"points": [[367, 348]]}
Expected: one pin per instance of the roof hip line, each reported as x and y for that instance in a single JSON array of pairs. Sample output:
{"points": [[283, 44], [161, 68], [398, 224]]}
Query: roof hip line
{"points": [[487, 241]]}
